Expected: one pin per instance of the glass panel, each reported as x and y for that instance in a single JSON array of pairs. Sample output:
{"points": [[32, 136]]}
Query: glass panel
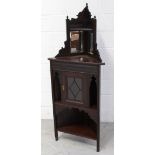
{"points": [[74, 89], [70, 95], [70, 80], [79, 96]]}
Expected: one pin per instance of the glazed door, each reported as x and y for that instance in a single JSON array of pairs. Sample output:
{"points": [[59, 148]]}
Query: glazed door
{"points": [[74, 88]]}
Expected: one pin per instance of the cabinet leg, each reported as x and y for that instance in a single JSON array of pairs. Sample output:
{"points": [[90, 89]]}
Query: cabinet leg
{"points": [[56, 135], [55, 127], [98, 145]]}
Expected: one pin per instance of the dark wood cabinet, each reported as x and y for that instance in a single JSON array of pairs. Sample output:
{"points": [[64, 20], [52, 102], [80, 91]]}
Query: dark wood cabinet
{"points": [[75, 80]]}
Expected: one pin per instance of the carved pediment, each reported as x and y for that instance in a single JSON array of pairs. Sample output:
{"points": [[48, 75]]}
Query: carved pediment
{"points": [[84, 14]]}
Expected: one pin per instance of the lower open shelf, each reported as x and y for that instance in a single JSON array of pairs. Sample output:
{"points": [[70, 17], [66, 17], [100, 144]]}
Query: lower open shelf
{"points": [[79, 130]]}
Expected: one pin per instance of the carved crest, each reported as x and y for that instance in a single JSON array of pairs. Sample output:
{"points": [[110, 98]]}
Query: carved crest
{"points": [[85, 14]]}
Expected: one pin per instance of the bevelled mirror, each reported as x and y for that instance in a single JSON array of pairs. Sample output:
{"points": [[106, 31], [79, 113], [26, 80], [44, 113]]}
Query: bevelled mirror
{"points": [[81, 41], [75, 42]]}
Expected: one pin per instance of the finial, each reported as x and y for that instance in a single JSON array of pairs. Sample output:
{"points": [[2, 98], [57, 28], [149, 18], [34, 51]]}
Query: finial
{"points": [[86, 4], [67, 17], [95, 17]]}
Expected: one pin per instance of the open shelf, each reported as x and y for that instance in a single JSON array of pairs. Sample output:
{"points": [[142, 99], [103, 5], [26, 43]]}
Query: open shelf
{"points": [[79, 130], [92, 108], [76, 122]]}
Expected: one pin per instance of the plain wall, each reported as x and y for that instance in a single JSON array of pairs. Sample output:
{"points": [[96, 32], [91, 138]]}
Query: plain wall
{"points": [[53, 17]]}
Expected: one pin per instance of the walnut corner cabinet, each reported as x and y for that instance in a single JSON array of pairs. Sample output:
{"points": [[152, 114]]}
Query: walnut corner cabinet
{"points": [[75, 80]]}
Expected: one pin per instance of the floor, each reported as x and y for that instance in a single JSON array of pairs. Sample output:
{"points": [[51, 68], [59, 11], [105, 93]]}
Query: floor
{"points": [[74, 145]]}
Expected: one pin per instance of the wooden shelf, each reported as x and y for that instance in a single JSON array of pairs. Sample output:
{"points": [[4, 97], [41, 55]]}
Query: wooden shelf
{"points": [[92, 109], [81, 29], [79, 130]]}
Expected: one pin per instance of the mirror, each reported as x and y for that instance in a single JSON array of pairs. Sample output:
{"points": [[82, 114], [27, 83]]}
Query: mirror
{"points": [[81, 41], [75, 41]]}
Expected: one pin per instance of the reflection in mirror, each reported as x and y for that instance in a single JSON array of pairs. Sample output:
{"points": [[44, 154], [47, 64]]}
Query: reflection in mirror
{"points": [[75, 41], [81, 41]]}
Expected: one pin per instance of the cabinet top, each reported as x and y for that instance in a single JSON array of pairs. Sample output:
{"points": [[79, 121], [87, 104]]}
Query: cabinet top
{"points": [[80, 59]]}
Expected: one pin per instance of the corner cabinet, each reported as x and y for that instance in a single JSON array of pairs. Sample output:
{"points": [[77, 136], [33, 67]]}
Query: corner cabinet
{"points": [[75, 80]]}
